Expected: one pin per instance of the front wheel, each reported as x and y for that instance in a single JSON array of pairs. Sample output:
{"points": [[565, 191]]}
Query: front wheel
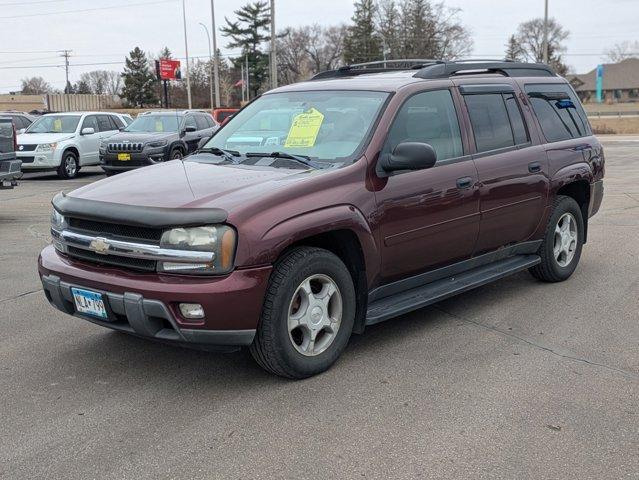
{"points": [[69, 166], [308, 314], [562, 244]]}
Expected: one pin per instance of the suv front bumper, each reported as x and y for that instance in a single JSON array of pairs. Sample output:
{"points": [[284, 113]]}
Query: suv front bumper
{"points": [[149, 156], [145, 304]]}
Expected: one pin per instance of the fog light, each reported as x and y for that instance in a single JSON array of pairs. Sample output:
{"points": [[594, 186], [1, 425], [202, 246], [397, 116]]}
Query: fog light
{"points": [[191, 310]]}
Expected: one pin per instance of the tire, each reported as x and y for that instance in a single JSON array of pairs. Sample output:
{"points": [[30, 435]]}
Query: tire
{"points": [[110, 173], [69, 166], [176, 154], [287, 351], [556, 267]]}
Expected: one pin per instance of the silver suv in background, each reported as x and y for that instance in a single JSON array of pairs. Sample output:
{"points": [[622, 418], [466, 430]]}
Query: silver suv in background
{"points": [[65, 142]]}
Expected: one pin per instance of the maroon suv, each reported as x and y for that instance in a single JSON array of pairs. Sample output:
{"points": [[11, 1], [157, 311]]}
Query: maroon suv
{"points": [[332, 204]]}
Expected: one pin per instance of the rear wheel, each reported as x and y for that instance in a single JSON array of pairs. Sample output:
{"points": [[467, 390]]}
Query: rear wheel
{"points": [[69, 165], [563, 242], [308, 314]]}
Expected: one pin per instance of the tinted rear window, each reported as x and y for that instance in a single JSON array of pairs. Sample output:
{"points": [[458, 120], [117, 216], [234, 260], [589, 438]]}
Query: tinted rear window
{"points": [[559, 112], [490, 121]]}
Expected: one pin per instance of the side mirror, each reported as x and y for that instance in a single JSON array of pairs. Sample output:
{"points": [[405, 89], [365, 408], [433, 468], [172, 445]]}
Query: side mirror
{"points": [[409, 156], [87, 131], [21, 131], [190, 129]]}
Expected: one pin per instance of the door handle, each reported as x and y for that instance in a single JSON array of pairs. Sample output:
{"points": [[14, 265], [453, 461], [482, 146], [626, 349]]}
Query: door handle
{"points": [[464, 182], [534, 167]]}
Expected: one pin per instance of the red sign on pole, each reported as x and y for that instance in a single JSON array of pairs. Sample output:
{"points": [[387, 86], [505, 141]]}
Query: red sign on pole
{"points": [[170, 69]]}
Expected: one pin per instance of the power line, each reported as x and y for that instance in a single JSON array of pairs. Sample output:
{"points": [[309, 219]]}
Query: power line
{"points": [[64, 12], [39, 2]]}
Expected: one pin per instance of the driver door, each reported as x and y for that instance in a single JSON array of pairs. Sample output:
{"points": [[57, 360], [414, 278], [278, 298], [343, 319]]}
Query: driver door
{"points": [[428, 218]]}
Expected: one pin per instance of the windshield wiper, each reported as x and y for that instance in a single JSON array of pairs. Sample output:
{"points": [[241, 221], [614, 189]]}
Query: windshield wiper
{"points": [[303, 159], [228, 155]]}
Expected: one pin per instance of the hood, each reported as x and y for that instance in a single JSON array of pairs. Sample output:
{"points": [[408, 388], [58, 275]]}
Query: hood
{"points": [[38, 138], [141, 137], [188, 184]]}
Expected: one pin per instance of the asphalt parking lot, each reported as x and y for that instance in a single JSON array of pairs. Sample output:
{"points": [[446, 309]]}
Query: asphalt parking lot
{"points": [[518, 379]]}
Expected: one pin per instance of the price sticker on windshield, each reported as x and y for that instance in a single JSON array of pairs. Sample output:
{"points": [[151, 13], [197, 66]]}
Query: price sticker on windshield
{"points": [[57, 125], [159, 126], [304, 129]]}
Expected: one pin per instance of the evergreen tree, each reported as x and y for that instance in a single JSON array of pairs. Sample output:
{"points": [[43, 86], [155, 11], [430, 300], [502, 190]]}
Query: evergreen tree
{"points": [[166, 53], [514, 51], [139, 80], [363, 43], [249, 32], [82, 87]]}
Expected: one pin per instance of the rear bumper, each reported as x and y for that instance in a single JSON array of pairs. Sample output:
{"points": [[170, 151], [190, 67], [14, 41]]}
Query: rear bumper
{"points": [[146, 304], [596, 197]]}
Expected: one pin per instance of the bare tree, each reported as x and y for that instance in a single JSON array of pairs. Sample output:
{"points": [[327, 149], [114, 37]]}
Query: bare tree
{"points": [[622, 51], [113, 82], [529, 37], [35, 86], [422, 29]]}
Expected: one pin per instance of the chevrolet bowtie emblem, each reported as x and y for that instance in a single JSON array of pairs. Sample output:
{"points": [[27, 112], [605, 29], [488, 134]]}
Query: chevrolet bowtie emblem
{"points": [[100, 245]]}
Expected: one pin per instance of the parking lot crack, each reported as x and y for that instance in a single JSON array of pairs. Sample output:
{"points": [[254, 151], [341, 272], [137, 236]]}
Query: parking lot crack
{"points": [[20, 295], [546, 348]]}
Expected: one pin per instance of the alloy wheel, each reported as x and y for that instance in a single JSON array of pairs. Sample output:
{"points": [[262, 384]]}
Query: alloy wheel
{"points": [[566, 237], [315, 315]]}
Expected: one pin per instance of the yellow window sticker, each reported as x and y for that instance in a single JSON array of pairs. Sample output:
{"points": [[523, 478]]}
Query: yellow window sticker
{"points": [[304, 129], [57, 125]]}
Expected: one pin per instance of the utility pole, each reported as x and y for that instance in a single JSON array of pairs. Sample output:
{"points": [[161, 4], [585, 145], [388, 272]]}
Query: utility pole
{"points": [[210, 61], [273, 48], [248, 81], [66, 54], [186, 49], [216, 60], [545, 42]]}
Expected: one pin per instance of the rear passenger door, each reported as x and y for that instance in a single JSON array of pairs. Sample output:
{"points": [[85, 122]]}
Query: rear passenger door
{"points": [[428, 218], [513, 173]]}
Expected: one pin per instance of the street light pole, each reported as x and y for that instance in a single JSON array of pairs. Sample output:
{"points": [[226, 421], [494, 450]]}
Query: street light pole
{"points": [[186, 49], [273, 48], [210, 60], [545, 42], [216, 60]]}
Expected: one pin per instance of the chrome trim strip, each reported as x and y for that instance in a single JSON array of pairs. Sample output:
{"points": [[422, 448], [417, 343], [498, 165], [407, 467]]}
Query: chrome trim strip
{"points": [[145, 251]]}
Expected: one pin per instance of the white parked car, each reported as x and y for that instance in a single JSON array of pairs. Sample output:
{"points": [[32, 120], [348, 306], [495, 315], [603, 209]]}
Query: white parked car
{"points": [[65, 142]]}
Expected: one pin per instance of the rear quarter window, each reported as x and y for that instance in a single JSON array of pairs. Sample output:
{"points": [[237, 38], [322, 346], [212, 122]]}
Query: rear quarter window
{"points": [[559, 111]]}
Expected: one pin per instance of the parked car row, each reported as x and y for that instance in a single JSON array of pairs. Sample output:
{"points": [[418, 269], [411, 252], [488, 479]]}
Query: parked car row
{"points": [[66, 142]]}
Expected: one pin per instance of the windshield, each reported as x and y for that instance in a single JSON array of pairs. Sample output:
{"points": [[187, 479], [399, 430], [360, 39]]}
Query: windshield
{"points": [[154, 124], [55, 124], [325, 126]]}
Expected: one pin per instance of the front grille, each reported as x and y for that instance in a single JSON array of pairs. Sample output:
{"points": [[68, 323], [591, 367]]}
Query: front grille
{"points": [[125, 147], [26, 159], [27, 148], [144, 234], [113, 260]]}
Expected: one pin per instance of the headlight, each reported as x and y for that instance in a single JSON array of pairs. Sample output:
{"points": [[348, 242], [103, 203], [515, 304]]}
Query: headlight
{"points": [[46, 147], [221, 240], [158, 144], [58, 223]]}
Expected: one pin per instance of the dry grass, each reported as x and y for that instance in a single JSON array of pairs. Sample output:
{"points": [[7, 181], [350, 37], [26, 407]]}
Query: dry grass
{"points": [[616, 125]]}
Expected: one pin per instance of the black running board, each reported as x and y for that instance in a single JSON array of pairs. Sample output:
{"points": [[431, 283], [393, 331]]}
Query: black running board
{"points": [[409, 300]]}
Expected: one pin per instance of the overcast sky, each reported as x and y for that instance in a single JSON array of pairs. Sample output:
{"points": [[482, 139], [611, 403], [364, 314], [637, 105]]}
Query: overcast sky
{"points": [[31, 31]]}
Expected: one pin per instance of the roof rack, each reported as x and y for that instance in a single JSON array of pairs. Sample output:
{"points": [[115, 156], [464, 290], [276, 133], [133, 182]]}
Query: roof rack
{"points": [[378, 66], [508, 68]]}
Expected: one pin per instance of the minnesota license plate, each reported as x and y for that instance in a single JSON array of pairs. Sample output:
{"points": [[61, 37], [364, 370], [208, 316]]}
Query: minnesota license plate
{"points": [[89, 303], [124, 157]]}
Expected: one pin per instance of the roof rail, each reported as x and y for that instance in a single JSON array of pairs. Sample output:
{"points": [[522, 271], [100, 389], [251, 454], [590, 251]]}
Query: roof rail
{"points": [[378, 66], [508, 68]]}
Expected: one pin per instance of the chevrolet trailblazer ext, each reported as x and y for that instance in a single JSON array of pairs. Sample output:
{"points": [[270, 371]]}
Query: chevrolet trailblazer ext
{"points": [[329, 205]]}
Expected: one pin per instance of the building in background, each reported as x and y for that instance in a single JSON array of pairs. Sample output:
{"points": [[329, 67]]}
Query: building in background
{"points": [[620, 82]]}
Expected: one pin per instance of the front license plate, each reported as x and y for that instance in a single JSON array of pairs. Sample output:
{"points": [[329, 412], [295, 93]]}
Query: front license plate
{"points": [[124, 157], [89, 303]]}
